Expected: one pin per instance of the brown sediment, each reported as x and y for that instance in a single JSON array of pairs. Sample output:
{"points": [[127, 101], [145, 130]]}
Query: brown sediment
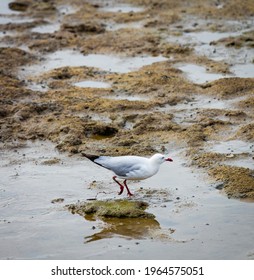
{"points": [[229, 87], [143, 119], [238, 181], [245, 40], [246, 132]]}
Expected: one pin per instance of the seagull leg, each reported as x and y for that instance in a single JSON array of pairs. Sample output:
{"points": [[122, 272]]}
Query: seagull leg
{"points": [[121, 186], [128, 191]]}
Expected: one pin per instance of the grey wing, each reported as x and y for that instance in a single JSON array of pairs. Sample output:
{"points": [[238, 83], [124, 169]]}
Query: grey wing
{"points": [[125, 170], [119, 167]]}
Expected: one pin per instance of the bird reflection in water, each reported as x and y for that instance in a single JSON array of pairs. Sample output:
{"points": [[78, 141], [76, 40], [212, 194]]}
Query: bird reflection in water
{"points": [[130, 228]]}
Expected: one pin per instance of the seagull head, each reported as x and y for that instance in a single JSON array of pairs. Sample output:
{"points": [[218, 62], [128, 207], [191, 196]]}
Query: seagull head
{"points": [[159, 158]]}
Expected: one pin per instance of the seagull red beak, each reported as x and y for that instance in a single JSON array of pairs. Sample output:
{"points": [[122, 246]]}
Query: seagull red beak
{"points": [[169, 159]]}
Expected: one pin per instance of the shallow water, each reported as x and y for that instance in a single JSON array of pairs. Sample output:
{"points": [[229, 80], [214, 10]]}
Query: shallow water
{"points": [[14, 19], [240, 58], [193, 220], [204, 102], [109, 63], [116, 26], [92, 84], [10, 16], [4, 8], [47, 28], [185, 113], [198, 74], [190, 212], [245, 70], [55, 25], [124, 8], [127, 97], [239, 153], [233, 147], [206, 37], [246, 162]]}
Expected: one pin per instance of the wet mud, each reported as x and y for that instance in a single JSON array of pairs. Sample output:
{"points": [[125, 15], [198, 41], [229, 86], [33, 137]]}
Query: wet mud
{"points": [[133, 77]]}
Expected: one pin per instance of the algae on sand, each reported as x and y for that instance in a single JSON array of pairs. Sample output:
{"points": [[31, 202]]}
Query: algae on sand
{"points": [[112, 208]]}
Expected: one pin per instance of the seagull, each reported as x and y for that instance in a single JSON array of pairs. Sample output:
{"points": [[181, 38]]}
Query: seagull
{"points": [[130, 167]]}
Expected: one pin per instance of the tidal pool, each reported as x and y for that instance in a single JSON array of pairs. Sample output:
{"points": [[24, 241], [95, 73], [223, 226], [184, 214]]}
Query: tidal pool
{"points": [[111, 63], [198, 74]]}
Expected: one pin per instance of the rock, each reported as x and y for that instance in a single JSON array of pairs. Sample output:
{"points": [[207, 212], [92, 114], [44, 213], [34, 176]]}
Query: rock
{"points": [[57, 200], [87, 27], [19, 6], [112, 208], [51, 161]]}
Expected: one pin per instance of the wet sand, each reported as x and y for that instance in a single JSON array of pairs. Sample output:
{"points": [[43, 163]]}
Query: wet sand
{"points": [[128, 77]]}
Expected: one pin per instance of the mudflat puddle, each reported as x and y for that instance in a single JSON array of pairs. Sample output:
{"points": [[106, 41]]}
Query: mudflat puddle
{"points": [[233, 147], [53, 26], [46, 28], [72, 58], [192, 219], [116, 26], [239, 153], [198, 74], [127, 97], [92, 84], [14, 19], [10, 16], [4, 8], [124, 8], [207, 43], [244, 70]]}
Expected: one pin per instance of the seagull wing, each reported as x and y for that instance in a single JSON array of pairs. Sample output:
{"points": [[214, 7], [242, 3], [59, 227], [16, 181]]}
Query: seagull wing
{"points": [[129, 167]]}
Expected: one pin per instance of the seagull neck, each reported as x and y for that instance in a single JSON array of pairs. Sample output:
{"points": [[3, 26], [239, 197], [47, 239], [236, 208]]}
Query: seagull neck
{"points": [[154, 164]]}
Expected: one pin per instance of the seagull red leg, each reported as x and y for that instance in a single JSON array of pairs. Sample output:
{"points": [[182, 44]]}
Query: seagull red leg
{"points": [[121, 186], [128, 191]]}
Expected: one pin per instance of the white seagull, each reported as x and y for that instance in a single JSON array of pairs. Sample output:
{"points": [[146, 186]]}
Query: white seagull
{"points": [[130, 167]]}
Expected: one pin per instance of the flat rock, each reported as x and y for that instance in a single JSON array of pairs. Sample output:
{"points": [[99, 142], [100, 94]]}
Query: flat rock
{"points": [[112, 208]]}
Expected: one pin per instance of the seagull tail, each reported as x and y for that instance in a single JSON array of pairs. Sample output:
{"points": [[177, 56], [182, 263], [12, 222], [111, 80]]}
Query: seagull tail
{"points": [[91, 157]]}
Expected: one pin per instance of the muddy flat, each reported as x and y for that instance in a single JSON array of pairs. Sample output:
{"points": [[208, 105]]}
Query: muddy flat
{"points": [[126, 78]]}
